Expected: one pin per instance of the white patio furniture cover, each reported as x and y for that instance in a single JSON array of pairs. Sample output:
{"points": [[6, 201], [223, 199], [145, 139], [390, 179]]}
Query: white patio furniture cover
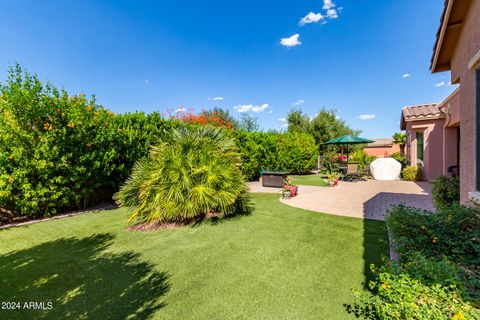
{"points": [[385, 169]]}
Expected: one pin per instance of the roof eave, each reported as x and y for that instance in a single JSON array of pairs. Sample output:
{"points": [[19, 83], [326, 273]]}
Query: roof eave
{"points": [[434, 67]]}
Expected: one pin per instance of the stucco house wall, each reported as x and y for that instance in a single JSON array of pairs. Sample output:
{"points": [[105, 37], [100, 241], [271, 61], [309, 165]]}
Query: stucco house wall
{"points": [[433, 141], [467, 46], [381, 152]]}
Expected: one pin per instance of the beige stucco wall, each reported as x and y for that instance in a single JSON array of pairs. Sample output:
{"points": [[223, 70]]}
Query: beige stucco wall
{"points": [[468, 45]]}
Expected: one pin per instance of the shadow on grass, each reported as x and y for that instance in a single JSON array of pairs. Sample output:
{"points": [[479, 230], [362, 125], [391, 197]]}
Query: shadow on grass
{"points": [[243, 207], [372, 208], [375, 241], [80, 280]]}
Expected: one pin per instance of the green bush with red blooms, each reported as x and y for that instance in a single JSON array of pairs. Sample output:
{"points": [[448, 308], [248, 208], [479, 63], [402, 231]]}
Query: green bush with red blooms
{"points": [[55, 150], [437, 275]]}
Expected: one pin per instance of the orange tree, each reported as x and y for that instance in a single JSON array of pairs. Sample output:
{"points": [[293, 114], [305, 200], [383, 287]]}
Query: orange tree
{"points": [[56, 150]]}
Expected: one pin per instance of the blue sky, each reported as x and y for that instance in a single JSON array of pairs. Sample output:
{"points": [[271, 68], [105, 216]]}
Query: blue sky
{"points": [[367, 59]]}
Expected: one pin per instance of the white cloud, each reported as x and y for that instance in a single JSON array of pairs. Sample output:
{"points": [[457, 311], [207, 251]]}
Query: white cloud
{"points": [[216, 98], [291, 42], [328, 4], [406, 75], [181, 109], [282, 120], [332, 13], [271, 111], [251, 107], [366, 116], [310, 18], [442, 84], [298, 102]]}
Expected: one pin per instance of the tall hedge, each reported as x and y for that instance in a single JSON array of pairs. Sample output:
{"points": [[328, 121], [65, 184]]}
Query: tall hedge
{"points": [[296, 152], [55, 150], [137, 132], [290, 152], [60, 152]]}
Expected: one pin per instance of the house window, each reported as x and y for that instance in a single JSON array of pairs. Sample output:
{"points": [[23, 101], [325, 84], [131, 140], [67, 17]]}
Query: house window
{"points": [[419, 137], [477, 113]]}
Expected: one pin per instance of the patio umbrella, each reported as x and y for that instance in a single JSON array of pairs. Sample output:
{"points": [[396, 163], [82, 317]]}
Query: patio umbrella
{"points": [[348, 140]]}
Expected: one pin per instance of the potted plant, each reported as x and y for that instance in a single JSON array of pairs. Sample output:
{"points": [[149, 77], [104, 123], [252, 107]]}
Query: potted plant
{"points": [[286, 193], [333, 178], [289, 186]]}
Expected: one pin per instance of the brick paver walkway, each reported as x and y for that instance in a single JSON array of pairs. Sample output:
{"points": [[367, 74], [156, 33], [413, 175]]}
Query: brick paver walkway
{"points": [[363, 199]]}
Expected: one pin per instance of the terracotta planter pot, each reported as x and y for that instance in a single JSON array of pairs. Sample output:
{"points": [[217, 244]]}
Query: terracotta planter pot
{"points": [[293, 190]]}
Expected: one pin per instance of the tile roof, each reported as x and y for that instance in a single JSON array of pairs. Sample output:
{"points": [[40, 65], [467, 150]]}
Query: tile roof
{"points": [[422, 111], [381, 142]]}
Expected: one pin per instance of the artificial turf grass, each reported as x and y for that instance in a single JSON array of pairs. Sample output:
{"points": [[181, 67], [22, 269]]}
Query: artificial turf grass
{"points": [[279, 262], [310, 180]]}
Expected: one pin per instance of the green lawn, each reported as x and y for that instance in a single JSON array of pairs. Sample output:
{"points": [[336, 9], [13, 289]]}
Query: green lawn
{"points": [[310, 180], [278, 263]]}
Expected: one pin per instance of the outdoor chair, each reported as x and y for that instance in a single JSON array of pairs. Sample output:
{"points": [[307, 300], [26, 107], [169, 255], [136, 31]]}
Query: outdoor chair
{"points": [[352, 172]]}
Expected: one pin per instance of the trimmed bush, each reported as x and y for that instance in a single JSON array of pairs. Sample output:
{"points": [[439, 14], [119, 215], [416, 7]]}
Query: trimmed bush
{"points": [[258, 152], [412, 173], [296, 152], [446, 192], [291, 152], [191, 173]]}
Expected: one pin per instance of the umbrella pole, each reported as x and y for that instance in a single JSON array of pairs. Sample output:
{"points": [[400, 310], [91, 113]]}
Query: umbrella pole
{"points": [[347, 154]]}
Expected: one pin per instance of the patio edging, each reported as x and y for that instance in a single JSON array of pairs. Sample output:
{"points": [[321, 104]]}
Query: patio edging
{"points": [[391, 244]]}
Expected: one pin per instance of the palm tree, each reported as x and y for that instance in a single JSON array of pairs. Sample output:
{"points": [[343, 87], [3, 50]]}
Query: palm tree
{"points": [[192, 173], [400, 138]]}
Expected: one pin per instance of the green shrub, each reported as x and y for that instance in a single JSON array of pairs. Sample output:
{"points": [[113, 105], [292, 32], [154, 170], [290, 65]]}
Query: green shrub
{"points": [[412, 173], [191, 173], [137, 132], [296, 152], [453, 233], [56, 150], [400, 296], [402, 159], [437, 275], [362, 158], [290, 152], [258, 152], [446, 192]]}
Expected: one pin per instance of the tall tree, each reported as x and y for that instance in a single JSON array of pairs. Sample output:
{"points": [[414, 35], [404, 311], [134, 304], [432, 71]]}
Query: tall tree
{"points": [[400, 138], [324, 126], [249, 123], [298, 121]]}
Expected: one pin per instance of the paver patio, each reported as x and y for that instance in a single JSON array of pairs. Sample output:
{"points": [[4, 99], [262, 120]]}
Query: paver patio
{"points": [[363, 199]]}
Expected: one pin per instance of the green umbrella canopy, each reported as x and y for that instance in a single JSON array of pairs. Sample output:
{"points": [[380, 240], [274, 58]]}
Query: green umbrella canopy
{"points": [[348, 139]]}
